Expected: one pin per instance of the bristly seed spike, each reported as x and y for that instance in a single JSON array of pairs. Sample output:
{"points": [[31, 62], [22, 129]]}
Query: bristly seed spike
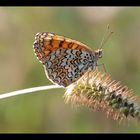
{"points": [[116, 100]]}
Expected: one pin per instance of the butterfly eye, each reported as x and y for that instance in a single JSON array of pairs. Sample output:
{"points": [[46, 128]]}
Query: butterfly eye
{"points": [[100, 54]]}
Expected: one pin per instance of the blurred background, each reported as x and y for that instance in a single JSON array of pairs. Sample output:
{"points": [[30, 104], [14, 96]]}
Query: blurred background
{"points": [[45, 111]]}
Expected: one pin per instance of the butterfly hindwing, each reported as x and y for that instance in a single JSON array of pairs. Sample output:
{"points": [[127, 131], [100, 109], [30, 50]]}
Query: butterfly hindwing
{"points": [[65, 60]]}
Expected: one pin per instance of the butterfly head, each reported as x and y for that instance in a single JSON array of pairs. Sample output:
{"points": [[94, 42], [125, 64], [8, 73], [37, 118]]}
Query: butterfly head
{"points": [[98, 53]]}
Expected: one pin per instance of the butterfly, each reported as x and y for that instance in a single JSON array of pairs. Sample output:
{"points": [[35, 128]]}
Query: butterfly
{"points": [[65, 60]]}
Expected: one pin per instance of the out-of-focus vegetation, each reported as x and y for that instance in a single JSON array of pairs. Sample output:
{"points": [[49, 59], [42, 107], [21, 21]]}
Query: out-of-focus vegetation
{"points": [[46, 111]]}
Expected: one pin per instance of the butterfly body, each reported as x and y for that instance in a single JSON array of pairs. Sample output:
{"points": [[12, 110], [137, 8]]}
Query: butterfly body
{"points": [[65, 60]]}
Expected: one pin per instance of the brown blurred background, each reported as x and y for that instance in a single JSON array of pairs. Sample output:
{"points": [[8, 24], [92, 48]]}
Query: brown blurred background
{"points": [[45, 111]]}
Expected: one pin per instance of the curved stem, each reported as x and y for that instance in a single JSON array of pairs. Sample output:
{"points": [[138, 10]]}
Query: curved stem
{"points": [[28, 90]]}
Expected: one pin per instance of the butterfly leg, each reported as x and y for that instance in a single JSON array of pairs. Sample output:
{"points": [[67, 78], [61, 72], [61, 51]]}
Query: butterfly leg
{"points": [[103, 65]]}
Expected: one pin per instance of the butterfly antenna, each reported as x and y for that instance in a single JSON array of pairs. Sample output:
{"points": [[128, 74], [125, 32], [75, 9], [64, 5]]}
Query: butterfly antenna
{"points": [[106, 36]]}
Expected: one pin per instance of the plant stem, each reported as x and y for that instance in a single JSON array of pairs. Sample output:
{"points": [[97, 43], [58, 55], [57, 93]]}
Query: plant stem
{"points": [[28, 90]]}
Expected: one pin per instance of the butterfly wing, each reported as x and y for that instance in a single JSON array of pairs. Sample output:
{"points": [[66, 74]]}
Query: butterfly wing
{"points": [[65, 60]]}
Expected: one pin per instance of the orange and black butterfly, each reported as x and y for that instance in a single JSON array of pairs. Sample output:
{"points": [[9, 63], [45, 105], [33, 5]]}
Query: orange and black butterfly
{"points": [[65, 60]]}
